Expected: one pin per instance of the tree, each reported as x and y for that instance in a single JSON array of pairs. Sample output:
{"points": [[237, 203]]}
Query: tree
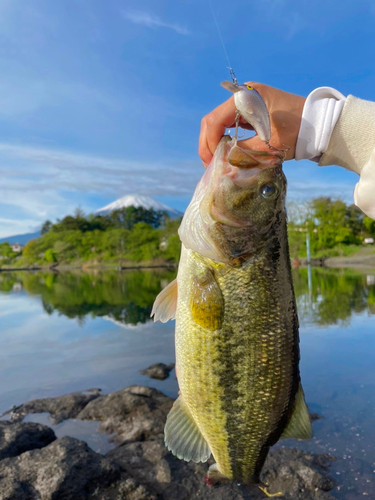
{"points": [[47, 225], [50, 256]]}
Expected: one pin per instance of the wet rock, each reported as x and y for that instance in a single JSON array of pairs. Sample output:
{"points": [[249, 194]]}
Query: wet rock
{"points": [[299, 475], [16, 438], [140, 468], [133, 414], [66, 469], [159, 371], [315, 416], [60, 408], [126, 489]]}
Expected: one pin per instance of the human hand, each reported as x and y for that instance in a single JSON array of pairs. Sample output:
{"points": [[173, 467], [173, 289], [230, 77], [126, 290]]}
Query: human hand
{"points": [[285, 112]]}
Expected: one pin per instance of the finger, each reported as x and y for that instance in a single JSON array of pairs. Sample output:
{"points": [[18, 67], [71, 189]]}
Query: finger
{"points": [[213, 127], [203, 149]]}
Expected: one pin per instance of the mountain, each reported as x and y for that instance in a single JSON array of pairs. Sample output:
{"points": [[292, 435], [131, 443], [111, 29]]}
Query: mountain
{"points": [[22, 239], [138, 201]]}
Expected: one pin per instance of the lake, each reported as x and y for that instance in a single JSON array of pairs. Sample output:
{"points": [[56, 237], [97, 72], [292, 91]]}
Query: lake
{"points": [[70, 331]]}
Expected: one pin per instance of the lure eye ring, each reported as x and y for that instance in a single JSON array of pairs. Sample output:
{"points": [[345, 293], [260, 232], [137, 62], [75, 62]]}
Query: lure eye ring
{"points": [[269, 191], [249, 87]]}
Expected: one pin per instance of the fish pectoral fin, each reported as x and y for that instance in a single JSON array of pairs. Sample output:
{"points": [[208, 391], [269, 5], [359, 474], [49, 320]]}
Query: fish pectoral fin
{"points": [[182, 436], [299, 425], [206, 301], [165, 304]]}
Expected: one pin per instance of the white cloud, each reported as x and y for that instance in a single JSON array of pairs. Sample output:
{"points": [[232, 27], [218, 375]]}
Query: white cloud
{"points": [[44, 183], [152, 21]]}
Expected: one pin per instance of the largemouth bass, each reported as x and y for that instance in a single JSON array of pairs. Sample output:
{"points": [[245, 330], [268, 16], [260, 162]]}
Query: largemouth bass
{"points": [[237, 344]]}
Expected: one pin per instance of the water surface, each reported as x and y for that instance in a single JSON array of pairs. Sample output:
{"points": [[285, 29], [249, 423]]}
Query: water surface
{"points": [[73, 331]]}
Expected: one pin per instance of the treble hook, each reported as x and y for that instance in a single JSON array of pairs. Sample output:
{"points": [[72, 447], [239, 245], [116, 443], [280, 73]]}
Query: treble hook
{"points": [[284, 151]]}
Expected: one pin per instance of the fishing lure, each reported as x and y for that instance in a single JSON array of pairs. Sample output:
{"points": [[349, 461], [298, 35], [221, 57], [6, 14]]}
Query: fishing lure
{"points": [[252, 108]]}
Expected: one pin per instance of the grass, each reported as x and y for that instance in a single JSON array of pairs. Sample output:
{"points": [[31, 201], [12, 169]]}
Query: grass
{"points": [[339, 251]]}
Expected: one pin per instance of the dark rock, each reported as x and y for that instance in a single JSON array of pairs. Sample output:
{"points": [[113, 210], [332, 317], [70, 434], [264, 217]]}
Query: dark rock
{"points": [[60, 408], [67, 469], [299, 475], [140, 468], [126, 489], [315, 416], [16, 438], [160, 371], [135, 413]]}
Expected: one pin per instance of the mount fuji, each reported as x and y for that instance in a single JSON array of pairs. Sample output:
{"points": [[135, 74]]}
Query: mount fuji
{"points": [[137, 200]]}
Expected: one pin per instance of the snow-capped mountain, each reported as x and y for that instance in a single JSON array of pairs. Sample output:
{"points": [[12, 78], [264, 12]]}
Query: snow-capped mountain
{"points": [[137, 200]]}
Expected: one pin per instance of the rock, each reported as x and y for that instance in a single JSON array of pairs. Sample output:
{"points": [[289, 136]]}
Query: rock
{"points": [[299, 475], [140, 468], [297, 472], [16, 438], [315, 416], [60, 408], [127, 489], [134, 413], [66, 469], [160, 371]]}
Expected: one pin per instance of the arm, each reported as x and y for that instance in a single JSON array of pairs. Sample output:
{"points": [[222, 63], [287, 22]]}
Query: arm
{"points": [[352, 146]]}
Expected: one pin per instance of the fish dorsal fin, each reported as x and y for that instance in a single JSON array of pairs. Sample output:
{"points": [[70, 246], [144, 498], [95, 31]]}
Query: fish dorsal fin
{"points": [[299, 425], [182, 436], [206, 301], [165, 303]]}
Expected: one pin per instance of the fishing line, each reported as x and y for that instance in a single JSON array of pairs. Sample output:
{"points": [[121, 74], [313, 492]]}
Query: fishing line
{"points": [[231, 71]]}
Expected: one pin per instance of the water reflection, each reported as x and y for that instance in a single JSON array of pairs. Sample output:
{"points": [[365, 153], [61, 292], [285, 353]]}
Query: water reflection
{"points": [[124, 297], [334, 295]]}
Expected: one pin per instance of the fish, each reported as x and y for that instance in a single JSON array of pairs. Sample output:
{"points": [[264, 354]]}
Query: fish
{"points": [[251, 106], [237, 341]]}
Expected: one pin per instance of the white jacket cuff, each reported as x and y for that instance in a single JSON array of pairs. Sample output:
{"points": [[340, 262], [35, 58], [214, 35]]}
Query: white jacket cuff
{"points": [[320, 114]]}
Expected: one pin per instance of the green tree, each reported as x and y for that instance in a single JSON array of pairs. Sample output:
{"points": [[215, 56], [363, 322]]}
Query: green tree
{"points": [[47, 226], [50, 256]]}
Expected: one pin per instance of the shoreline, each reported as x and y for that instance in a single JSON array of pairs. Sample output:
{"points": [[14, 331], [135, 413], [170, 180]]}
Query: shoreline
{"points": [[359, 262], [84, 267]]}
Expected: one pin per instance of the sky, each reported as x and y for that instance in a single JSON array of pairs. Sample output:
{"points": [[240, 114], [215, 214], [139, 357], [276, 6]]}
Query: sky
{"points": [[103, 99]]}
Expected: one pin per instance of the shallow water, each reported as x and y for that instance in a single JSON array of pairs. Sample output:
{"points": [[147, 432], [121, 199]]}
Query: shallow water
{"points": [[72, 331]]}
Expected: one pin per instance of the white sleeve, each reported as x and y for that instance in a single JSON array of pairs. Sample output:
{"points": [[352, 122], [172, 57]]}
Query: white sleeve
{"points": [[320, 114], [341, 131], [364, 191]]}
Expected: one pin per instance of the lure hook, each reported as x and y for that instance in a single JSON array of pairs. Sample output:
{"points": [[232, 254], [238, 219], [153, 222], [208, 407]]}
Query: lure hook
{"points": [[284, 151]]}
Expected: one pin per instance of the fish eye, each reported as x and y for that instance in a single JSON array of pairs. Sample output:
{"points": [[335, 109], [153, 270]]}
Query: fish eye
{"points": [[269, 191], [250, 88]]}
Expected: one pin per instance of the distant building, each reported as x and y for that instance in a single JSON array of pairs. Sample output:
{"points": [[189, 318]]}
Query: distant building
{"points": [[16, 247], [368, 241], [163, 244]]}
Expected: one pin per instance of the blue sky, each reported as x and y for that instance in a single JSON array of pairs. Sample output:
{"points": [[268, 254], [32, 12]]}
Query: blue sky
{"points": [[102, 99]]}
